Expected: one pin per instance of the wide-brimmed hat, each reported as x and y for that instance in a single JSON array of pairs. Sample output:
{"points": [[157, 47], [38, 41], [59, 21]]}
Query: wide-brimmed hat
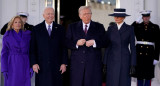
{"points": [[119, 12]]}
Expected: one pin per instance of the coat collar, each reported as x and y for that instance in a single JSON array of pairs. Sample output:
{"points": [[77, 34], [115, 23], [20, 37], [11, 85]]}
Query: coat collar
{"points": [[44, 29], [81, 32], [123, 28]]}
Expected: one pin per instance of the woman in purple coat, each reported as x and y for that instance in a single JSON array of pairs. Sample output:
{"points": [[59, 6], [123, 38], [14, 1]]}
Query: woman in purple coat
{"points": [[15, 54]]}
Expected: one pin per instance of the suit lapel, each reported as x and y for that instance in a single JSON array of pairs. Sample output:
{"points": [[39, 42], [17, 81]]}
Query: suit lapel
{"points": [[91, 29], [43, 30], [54, 29], [115, 28], [123, 28], [80, 31]]}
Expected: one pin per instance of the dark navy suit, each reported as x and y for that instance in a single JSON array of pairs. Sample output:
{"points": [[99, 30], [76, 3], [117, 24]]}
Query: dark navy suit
{"points": [[49, 53], [86, 62]]}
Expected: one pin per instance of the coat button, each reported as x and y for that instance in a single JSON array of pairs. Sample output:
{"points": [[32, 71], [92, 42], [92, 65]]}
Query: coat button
{"points": [[146, 53], [82, 62], [147, 46], [141, 46], [140, 53], [84, 51]]}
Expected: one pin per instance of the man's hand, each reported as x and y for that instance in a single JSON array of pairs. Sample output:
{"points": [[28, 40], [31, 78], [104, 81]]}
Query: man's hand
{"points": [[36, 68], [81, 42], [90, 43], [62, 68]]}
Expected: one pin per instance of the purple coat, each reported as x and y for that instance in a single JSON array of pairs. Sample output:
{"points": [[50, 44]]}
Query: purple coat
{"points": [[15, 58]]}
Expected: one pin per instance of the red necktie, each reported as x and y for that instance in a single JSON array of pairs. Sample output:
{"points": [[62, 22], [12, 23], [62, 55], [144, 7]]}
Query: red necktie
{"points": [[85, 30]]}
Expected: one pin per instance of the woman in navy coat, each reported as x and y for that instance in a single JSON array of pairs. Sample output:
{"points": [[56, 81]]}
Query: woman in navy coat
{"points": [[120, 54]]}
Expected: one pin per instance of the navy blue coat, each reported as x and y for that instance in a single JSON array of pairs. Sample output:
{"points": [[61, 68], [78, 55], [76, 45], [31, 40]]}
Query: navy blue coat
{"points": [[49, 53], [86, 62], [118, 57]]}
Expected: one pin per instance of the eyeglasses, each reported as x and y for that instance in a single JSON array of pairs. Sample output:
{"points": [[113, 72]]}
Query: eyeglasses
{"points": [[86, 14]]}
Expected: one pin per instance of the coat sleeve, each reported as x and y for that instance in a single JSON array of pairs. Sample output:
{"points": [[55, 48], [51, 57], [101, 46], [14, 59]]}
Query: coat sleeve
{"points": [[100, 39], [69, 41], [4, 55], [3, 30], [157, 43], [64, 49], [33, 49], [107, 46], [132, 47]]}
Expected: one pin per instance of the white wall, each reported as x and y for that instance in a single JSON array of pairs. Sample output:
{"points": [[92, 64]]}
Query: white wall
{"points": [[33, 7], [153, 6], [35, 10], [133, 7], [0, 13], [8, 10], [158, 12]]}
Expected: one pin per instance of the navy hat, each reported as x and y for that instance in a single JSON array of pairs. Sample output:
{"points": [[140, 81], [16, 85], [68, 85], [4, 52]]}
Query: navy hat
{"points": [[23, 14], [119, 12], [145, 13]]}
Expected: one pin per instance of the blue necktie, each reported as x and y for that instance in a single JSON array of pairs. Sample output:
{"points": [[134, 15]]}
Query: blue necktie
{"points": [[49, 30]]}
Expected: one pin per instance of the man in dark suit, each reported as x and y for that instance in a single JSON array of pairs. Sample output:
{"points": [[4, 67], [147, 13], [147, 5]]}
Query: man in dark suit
{"points": [[148, 47], [48, 56], [85, 39], [24, 17]]}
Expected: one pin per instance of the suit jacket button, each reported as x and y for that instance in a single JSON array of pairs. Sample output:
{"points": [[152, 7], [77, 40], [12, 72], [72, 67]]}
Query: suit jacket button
{"points": [[140, 53], [84, 51], [82, 62]]}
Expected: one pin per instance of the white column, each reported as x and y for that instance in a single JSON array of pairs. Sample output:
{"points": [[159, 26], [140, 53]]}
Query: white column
{"points": [[0, 21], [158, 67], [153, 6], [22, 6], [158, 13], [35, 10], [117, 3]]}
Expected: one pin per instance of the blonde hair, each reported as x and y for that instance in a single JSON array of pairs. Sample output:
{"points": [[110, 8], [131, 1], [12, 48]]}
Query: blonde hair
{"points": [[10, 24], [84, 7]]}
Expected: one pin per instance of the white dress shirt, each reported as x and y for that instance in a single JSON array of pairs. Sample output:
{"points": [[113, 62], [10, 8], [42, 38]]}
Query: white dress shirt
{"points": [[119, 25], [94, 45], [48, 25]]}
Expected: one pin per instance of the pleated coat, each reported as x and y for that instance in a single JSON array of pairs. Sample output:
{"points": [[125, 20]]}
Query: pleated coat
{"points": [[15, 58], [120, 55]]}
